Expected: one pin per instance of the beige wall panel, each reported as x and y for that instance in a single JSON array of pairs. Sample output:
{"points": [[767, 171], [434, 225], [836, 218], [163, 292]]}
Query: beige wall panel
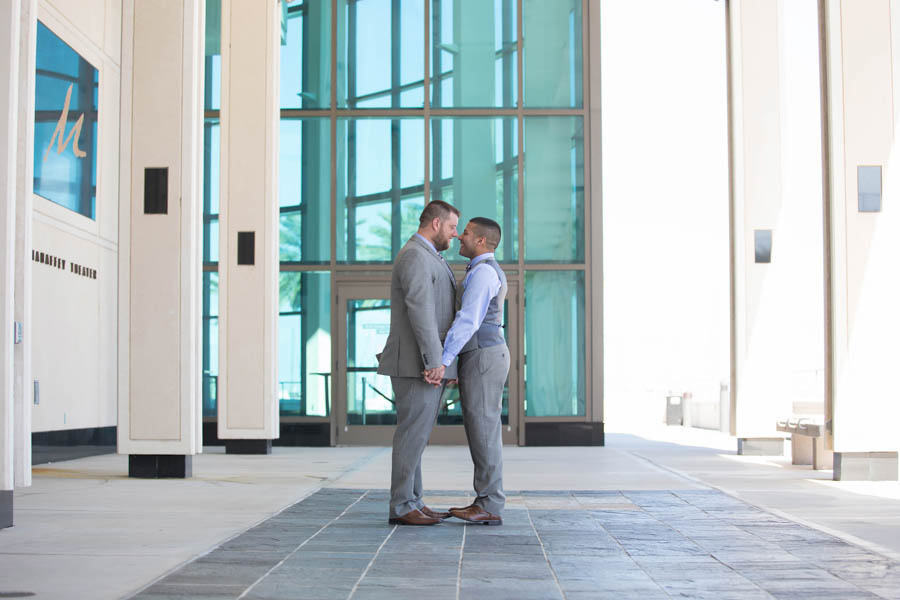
{"points": [[247, 293], [155, 400], [87, 16], [246, 170], [65, 331], [112, 40]]}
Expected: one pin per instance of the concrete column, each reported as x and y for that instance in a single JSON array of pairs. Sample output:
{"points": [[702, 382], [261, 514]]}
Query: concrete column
{"points": [[9, 99], [861, 42], [160, 239], [23, 384], [248, 251], [775, 223]]}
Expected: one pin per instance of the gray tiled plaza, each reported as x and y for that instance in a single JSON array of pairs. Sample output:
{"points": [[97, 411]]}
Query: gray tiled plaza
{"points": [[672, 513], [337, 544]]}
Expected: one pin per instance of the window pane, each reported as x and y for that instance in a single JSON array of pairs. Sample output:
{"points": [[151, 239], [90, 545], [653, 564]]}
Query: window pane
{"points": [[369, 395], [554, 189], [304, 344], [211, 190], [473, 53], [210, 352], [380, 53], [554, 348], [306, 55], [65, 125], [552, 53], [213, 55], [380, 179], [304, 190], [474, 166]]}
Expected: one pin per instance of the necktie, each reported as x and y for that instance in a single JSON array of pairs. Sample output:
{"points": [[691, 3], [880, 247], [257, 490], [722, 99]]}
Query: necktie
{"points": [[449, 270]]}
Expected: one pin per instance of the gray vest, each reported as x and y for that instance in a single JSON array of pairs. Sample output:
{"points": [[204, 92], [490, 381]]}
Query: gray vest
{"points": [[491, 331]]}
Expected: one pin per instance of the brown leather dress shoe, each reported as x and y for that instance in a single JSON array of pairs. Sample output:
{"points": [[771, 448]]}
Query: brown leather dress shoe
{"points": [[435, 514], [414, 517], [476, 514]]}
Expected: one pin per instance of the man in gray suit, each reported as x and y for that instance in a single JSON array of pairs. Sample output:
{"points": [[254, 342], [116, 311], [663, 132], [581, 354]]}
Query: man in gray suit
{"points": [[477, 336], [423, 299]]}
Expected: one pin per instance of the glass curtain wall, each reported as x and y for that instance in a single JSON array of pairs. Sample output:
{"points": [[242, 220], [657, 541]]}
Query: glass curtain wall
{"points": [[386, 105]]}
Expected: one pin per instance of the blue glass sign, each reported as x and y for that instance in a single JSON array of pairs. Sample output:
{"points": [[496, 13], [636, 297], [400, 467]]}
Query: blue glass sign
{"points": [[65, 125]]}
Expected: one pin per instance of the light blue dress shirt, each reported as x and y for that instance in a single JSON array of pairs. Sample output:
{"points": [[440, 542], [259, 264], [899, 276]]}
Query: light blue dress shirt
{"points": [[427, 241], [480, 284]]}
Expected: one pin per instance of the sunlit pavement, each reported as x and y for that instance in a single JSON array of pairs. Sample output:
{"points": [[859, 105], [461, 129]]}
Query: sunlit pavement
{"points": [[668, 513]]}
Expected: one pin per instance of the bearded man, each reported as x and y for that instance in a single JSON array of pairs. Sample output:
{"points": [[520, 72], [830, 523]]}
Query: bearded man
{"points": [[423, 299]]}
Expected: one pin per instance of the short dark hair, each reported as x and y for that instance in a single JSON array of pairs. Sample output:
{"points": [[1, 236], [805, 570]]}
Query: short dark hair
{"points": [[488, 229], [436, 209]]}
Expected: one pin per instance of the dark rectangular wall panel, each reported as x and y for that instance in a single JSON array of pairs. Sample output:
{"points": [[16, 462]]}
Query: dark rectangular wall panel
{"points": [[156, 191], [246, 241]]}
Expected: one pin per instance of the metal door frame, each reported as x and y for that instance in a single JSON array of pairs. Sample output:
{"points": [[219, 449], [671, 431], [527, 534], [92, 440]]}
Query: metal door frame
{"points": [[382, 435]]}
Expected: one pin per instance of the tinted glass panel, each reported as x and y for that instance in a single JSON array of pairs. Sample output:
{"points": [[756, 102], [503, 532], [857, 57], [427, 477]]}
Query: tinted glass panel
{"points": [[473, 53], [369, 395], [213, 64], [304, 190], [381, 58], [554, 347], [65, 125], [474, 166], [380, 175], [306, 55], [552, 53], [304, 344], [211, 190], [210, 356], [554, 189]]}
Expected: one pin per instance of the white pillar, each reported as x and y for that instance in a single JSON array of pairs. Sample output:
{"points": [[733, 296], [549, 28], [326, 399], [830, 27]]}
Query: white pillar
{"points": [[248, 293], [862, 74], [23, 385], [775, 198], [160, 254], [9, 99]]}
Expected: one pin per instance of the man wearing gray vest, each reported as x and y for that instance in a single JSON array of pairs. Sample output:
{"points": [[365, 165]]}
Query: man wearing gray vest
{"points": [[423, 301], [477, 336]]}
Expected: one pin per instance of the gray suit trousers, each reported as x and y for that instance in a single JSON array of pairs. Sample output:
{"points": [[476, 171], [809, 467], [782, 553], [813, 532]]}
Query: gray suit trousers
{"points": [[417, 406], [482, 374]]}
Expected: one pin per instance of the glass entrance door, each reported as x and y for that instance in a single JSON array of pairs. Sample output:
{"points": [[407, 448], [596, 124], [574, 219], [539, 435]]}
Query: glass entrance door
{"points": [[364, 409]]}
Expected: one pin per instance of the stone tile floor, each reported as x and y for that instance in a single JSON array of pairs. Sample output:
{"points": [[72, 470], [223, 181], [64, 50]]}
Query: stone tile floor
{"points": [[337, 544]]}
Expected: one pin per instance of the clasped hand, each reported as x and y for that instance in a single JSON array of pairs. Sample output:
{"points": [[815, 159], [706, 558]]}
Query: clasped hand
{"points": [[434, 376]]}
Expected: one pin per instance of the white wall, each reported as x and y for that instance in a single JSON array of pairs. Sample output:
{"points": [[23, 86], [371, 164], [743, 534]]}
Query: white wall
{"points": [[74, 317], [863, 75]]}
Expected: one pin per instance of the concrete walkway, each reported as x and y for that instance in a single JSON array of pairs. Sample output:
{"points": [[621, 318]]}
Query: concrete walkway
{"points": [[670, 513]]}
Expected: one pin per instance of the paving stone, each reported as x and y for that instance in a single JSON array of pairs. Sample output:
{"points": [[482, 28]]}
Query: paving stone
{"points": [[432, 592], [189, 590], [696, 544]]}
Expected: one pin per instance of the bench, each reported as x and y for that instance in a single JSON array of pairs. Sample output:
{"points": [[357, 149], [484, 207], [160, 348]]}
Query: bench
{"points": [[807, 441]]}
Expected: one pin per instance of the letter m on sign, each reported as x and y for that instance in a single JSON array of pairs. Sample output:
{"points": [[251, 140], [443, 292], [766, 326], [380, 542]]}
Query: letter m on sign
{"points": [[60, 131]]}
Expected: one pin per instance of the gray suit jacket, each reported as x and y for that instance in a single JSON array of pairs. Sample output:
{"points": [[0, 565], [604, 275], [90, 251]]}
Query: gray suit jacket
{"points": [[423, 303]]}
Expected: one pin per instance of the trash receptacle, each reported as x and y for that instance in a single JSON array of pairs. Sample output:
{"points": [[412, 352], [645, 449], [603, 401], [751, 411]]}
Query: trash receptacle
{"points": [[674, 410]]}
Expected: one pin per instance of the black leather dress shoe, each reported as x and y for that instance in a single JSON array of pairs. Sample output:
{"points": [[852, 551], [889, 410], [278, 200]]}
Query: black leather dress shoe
{"points": [[414, 517]]}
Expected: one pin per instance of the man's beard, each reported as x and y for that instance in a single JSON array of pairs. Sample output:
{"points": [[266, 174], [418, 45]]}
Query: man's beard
{"points": [[441, 243]]}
